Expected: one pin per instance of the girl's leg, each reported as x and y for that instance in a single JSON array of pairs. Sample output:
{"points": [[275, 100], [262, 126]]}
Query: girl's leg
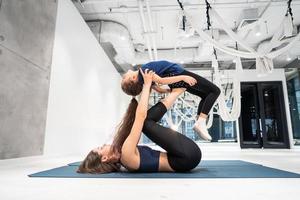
{"points": [[203, 96], [209, 93], [205, 89]]}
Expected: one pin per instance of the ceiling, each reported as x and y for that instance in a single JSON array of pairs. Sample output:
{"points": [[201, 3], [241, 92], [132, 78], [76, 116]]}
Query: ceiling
{"points": [[166, 17]]}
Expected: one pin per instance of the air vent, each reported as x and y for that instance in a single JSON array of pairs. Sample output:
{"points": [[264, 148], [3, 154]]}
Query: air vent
{"points": [[248, 16]]}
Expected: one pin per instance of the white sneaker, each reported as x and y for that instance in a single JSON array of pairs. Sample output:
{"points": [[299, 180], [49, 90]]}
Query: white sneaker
{"points": [[202, 131]]}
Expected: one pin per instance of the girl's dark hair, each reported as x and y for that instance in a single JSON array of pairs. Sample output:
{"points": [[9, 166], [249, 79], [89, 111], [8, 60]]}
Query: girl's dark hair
{"points": [[137, 67], [92, 163], [132, 88]]}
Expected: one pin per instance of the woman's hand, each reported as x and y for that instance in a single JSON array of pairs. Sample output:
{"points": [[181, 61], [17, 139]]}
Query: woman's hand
{"points": [[189, 80], [148, 76]]}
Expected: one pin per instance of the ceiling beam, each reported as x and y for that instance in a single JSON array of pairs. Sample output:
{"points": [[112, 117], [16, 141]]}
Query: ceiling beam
{"points": [[294, 64]]}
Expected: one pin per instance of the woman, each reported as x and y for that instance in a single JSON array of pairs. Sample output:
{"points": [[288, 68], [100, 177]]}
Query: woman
{"points": [[181, 155]]}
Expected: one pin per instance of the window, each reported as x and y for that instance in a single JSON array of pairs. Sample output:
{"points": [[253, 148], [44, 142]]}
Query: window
{"points": [[183, 119]]}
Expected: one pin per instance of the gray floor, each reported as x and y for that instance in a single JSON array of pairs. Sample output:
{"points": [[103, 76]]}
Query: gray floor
{"points": [[16, 185]]}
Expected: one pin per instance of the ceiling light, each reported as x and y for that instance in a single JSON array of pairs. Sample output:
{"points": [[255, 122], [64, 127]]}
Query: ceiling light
{"points": [[182, 62], [257, 30], [288, 57], [122, 37], [266, 94]]}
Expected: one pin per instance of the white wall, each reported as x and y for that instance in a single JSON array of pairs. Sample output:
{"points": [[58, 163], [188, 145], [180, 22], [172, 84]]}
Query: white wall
{"points": [[85, 100]]}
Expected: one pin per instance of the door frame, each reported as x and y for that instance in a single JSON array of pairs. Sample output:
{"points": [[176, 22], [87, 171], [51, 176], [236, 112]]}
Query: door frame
{"points": [[266, 144], [249, 145], [263, 143]]}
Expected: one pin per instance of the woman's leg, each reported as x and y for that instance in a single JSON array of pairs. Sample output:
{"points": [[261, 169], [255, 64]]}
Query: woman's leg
{"points": [[183, 153], [155, 112]]}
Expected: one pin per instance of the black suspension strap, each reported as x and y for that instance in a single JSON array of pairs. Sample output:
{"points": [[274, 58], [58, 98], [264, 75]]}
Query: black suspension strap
{"points": [[209, 24], [289, 10], [207, 14], [180, 4], [183, 22], [183, 17], [215, 53]]}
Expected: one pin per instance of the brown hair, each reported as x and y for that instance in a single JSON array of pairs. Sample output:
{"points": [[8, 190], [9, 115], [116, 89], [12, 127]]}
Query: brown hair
{"points": [[125, 125], [132, 88], [92, 163], [137, 67]]}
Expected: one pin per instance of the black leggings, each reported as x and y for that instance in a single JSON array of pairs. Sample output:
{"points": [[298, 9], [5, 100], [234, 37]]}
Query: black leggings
{"points": [[183, 153], [205, 89]]}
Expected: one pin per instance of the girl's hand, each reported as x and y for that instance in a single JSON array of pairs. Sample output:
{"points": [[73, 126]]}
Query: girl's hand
{"points": [[189, 80], [148, 76]]}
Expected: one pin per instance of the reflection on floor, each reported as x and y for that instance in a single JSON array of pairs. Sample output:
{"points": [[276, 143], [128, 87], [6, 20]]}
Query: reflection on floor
{"points": [[16, 185]]}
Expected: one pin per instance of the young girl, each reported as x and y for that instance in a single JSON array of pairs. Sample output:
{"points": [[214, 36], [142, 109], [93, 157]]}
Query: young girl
{"points": [[175, 76], [182, 154]]}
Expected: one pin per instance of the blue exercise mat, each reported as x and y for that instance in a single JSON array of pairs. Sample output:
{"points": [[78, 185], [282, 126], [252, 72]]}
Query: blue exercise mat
{"points": [[206, 163], [206, 169]]}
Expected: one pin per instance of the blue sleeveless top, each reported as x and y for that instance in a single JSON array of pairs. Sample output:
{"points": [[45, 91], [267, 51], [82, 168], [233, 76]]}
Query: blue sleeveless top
{"points": [[149, 159], [162, 68]]}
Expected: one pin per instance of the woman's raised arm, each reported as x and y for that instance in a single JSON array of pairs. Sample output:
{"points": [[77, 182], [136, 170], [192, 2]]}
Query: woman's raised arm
{"points": [[142, 107], [129, 146]]}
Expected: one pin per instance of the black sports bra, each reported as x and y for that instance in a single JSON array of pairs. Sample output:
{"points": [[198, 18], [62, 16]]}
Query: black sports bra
{"points": [[149, 159]]}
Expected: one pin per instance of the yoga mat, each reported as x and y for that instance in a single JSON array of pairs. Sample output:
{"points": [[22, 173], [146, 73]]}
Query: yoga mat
{"points": [[205, 163], [206, 169]]}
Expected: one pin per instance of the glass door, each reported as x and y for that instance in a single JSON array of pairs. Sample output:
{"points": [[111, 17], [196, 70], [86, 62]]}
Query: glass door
{"points": [[272, 112], [262, 121], [250, 134]]}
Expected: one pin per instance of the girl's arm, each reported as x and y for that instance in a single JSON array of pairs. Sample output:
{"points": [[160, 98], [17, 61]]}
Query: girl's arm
{"points": [[159, 89], [129, 150], [174, 79]]}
